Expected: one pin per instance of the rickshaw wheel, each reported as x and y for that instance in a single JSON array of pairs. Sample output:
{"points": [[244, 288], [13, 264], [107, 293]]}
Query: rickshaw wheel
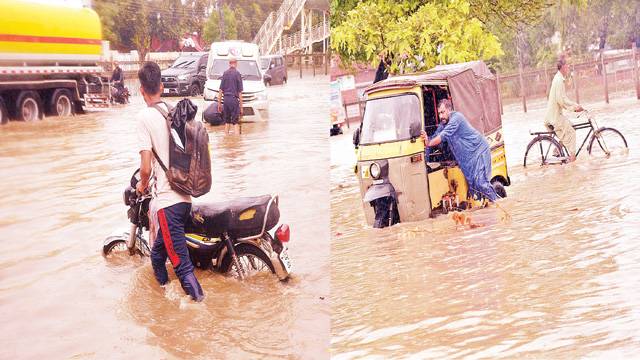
{"points": [[499, 188], [386, 211]]}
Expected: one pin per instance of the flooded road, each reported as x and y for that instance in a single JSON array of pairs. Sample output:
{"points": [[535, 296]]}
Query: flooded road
{"points": [[62, 195], [560, 279]]}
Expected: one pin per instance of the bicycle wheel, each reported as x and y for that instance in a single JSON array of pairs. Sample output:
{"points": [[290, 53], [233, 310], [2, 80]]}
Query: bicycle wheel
{"points": [[606, 142], [544, 150]]}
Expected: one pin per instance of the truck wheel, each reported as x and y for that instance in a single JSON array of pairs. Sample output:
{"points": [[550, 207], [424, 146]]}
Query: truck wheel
{"points": [[4, 115], [61, 103], [29, 106]]}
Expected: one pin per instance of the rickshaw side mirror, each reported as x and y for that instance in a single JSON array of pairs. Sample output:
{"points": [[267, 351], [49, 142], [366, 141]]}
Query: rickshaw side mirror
{"points": [[356, 137], [415, 130]]}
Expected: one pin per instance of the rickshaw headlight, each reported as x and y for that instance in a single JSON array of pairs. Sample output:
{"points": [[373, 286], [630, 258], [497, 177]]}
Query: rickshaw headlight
{"points": [[374, 170]]}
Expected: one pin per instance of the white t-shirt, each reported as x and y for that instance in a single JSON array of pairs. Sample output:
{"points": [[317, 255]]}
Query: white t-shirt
{"points": [[153, 133]]}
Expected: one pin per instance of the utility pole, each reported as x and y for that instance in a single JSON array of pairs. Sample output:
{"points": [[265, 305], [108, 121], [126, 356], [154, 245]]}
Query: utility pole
{"points": [[220, 19]]}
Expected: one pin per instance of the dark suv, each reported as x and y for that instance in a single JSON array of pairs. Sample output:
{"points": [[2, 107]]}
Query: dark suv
{"points": [[187, 75]]}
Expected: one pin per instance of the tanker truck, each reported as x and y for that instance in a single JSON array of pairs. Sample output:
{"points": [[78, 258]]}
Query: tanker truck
{"points": [[49, 60]]}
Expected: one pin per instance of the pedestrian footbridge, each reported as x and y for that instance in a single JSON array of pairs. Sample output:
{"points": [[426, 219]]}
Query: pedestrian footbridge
{"points": [[275, 36]]}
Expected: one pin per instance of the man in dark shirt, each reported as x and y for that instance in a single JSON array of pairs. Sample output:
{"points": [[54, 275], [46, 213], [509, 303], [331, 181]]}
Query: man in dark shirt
{"points": [[117, 78], [382, 73], [231, 88]]}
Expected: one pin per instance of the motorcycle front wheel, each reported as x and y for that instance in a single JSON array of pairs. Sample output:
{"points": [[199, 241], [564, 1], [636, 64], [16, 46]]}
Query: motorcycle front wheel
{"points": [[252, 260], [115, 247]]}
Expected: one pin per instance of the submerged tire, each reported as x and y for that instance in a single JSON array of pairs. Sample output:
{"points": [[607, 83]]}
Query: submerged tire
{"points": [[61, 103], [253, 259], [499, 188], [115, 247], [381, 209], [542, 150], [4, 114], [607, 141], [29, 106]]}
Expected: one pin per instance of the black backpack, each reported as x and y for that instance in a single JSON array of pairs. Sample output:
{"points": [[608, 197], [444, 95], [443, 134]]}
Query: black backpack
{"points": [[189, 170]]}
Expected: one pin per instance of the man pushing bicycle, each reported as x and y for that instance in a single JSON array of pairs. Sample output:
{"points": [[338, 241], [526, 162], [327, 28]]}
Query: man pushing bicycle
{"points": [[558, 100]]}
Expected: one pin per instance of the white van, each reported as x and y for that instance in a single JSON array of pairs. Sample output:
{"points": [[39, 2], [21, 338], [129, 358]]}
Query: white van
{"points": [[254, 97]]}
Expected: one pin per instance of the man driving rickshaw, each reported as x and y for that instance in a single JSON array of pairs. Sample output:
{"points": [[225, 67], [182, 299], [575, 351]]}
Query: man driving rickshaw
{"points": [[395, 184]]}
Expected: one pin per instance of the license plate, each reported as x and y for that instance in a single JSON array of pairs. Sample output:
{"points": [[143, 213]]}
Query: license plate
{"points": [[284, 259]]}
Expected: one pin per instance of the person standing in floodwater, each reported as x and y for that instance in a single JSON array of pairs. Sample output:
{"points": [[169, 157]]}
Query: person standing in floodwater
{"points": [[469, 147], [169, 210], [231, 88]]}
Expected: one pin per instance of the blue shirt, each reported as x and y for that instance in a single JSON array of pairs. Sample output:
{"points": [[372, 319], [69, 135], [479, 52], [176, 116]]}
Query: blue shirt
{"points": [[231, 83], [466, 143]]}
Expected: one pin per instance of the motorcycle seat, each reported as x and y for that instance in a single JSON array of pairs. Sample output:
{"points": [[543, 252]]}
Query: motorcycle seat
{"points": [[239, 217]]}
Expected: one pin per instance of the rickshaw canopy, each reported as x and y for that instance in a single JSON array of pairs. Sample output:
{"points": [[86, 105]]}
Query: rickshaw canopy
{"points": [[472, 86]]}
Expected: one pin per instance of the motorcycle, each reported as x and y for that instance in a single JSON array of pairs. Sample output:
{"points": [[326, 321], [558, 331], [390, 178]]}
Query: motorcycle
{"points": [[227, 237], [120, 96]]}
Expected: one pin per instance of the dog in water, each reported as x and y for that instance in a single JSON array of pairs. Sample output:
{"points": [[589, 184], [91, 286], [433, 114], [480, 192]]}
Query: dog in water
{"points": [[461, 218]]}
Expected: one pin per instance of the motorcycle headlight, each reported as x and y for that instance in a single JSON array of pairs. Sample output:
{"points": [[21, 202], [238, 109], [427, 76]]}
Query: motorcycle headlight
{"points": [[183, 77], [374, 170]]}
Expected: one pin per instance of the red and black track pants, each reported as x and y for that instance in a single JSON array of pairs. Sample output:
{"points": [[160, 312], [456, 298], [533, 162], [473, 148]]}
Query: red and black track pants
{"points": [[172, 243]]}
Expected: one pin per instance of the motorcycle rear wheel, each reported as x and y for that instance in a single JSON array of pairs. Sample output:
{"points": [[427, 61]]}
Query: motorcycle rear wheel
{"points": [[253, 260]]}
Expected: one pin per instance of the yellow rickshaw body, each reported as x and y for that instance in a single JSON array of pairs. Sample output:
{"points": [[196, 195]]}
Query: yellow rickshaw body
{"points": [[423, 188]]}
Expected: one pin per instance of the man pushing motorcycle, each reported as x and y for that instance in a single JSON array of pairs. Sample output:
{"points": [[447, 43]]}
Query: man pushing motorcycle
{"points": [[169, 209]]}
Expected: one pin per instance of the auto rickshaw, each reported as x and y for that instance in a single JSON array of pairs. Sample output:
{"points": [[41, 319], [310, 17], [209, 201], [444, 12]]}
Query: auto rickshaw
{"points": [[401, 182]]}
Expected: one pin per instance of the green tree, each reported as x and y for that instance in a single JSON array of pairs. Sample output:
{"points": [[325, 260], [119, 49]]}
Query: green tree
{"points": [[211, 30], [230, 23], [167, 19], [130, 24], [507, 13], [575, 27], [244, 30], [140, 26], [196, 11], [413, 36], [107, 12]]}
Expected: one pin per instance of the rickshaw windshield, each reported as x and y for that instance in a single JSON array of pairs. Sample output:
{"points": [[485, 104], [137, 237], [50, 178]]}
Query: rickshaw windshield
{"points": [[389, 119]]}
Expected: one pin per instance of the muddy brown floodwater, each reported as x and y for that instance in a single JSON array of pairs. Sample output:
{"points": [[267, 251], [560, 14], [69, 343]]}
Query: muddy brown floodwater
{"points": [[559, 280], [62, 183]]}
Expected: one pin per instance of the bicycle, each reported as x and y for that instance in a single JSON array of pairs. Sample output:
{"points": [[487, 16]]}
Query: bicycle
{"points": [[551, 151]]}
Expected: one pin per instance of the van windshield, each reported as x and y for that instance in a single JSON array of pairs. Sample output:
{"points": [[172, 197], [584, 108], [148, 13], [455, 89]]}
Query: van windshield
{"points": [[184, 63], [390, 118], [247, 68], [264, 63]]}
